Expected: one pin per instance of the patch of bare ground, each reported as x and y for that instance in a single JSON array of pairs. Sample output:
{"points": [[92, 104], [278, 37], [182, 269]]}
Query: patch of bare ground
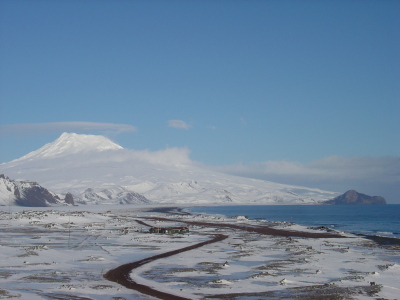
{"points": [[209, 267], [6, 295], [28, 253], [314, 292], [47, 278], [5, 274], [333, 292], [101, 287], [61, 296]]}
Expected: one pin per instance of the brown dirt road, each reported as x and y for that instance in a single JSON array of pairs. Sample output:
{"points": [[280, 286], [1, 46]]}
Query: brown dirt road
{"points": [[121, 274]]}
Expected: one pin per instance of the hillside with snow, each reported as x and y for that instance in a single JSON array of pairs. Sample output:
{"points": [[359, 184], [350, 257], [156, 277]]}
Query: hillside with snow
{"points": [[29, 193], [95, 170]]}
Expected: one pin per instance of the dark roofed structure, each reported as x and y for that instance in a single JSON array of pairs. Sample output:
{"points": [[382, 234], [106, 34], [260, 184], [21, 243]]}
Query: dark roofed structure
{"points": [[169, 230]]}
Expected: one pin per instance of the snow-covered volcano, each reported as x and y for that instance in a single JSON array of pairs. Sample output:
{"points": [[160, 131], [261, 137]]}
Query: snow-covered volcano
{"points": [[72, 143], [96, 170]]}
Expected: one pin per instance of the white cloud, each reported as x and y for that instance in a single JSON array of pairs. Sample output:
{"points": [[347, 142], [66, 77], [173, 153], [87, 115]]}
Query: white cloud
{"points": [[178, 124], [370, 175], [32, 128], [170, 157]]}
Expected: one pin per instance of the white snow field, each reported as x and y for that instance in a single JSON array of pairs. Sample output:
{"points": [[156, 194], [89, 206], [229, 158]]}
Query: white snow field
{"points": [[62, 253]]}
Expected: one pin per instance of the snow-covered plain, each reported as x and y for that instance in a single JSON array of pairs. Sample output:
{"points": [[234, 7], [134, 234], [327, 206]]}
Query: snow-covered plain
{"points": [[62, 253]]}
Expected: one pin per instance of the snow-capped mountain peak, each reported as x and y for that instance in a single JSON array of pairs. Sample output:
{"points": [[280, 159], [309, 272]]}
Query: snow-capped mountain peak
{"points": [[72, 143], [95, 170]]}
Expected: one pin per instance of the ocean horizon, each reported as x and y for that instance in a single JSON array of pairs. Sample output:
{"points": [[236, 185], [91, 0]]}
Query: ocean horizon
{"points": [[380, 220]]}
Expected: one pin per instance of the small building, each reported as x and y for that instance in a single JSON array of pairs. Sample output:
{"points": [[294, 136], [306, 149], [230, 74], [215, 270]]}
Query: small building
{"points": [[169, 230]]}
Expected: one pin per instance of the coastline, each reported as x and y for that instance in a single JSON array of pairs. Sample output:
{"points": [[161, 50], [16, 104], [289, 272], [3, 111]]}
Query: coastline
{"points": [[41, 249], [380, 240], [368, 220], [178, 210], [369, 290]]}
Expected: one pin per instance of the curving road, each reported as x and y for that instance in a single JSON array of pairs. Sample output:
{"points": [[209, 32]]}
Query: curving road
{"points": [[121, 274]]}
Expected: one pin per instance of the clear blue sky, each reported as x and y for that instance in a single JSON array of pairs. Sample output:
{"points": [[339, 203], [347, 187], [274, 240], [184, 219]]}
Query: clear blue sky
{"points": [[236, 82]]}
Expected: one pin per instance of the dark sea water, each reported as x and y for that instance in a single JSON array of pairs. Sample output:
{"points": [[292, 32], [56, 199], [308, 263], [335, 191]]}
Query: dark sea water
{"points": [[382, 220]]}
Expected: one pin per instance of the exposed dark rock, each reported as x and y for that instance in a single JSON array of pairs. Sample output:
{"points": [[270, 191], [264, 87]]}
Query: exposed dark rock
{"points": [[117, 194], [352, 197], [69, 199], [28, 193], [17, 193], [37, 195]]}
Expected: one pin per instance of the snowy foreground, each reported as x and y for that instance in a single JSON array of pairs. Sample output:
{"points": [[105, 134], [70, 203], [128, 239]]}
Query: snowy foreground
{"points": [[63, 253]]}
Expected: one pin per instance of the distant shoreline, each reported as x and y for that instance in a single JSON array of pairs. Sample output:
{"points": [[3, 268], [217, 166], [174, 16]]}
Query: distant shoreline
{"points": [[173, 210], [380, 240]]}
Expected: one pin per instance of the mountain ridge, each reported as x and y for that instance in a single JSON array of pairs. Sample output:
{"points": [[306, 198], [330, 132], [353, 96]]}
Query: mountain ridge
{"points": [[29, 193]]}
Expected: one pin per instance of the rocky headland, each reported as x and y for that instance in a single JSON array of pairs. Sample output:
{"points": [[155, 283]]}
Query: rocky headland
{"points": [[352, 197]]}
